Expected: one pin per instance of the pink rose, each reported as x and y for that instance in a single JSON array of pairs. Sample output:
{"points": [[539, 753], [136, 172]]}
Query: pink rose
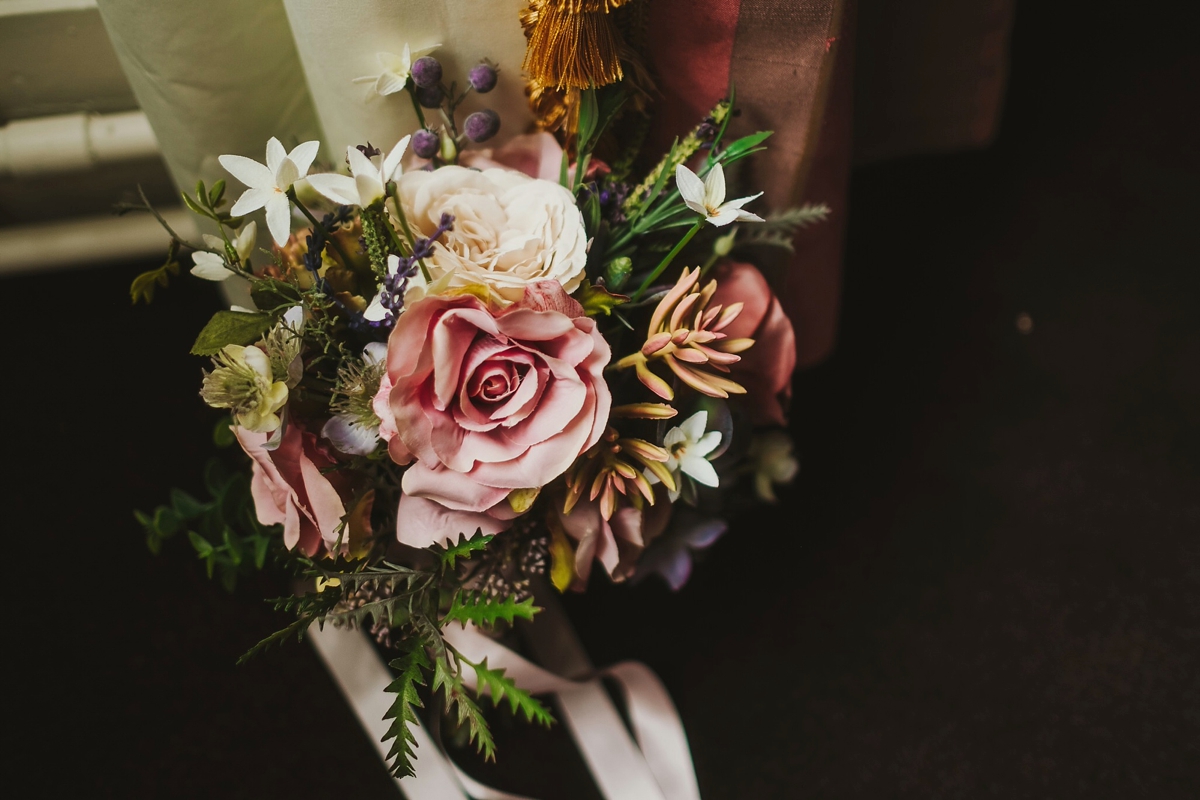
{"points": [[538, 155], [490, 401], [289, 489], [766, 368]]}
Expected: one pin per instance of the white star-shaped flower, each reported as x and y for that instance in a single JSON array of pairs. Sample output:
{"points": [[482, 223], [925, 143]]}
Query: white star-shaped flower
{"points": [[394, 70], [707, 197], [211, 266], [688, 446], [269, 183], [352, 434], [370, 176]]}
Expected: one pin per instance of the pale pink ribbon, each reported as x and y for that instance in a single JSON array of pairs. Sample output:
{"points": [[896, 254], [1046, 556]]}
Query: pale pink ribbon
{"points": [[654, 764]]}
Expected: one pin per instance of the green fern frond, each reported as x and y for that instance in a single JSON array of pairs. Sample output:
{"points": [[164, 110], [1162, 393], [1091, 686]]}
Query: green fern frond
{"points": [[464, 708], [501, 687], [482, 610], [463, 548], [411, 667]]}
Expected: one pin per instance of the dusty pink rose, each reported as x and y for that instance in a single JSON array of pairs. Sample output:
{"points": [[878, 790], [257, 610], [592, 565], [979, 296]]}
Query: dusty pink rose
{"points": [[766, 368], [490, 401], [289, 489]]}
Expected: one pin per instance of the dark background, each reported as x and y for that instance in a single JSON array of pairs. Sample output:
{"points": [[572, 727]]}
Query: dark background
{"points": [[986, 581]]}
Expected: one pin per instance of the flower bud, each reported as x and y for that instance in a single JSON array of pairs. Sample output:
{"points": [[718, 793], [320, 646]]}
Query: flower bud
{"points": [[430, 97], [482, 125], [426, 72], [425, 143], [482, 78]]}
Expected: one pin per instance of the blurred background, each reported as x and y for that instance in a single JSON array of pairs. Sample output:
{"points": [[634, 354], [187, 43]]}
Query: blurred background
{"points": [[985, 582]]}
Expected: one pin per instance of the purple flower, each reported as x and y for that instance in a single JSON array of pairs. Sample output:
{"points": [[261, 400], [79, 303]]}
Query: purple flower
{"points": [[670, 555]]}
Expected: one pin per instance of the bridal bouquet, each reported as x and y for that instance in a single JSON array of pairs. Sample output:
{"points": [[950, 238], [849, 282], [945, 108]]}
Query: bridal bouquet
{"points": [[474, 371]]}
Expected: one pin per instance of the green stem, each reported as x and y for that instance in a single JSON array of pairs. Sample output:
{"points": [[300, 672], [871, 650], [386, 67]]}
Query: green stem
{"points": [[412, 95], [666, 262], [291, 193], [408, 231]]}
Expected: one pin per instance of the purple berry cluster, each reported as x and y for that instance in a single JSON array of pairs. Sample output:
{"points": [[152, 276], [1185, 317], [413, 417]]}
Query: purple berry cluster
{"points": [[429, 92]]}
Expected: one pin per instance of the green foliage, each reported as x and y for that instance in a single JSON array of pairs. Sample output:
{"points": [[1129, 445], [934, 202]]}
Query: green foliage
{"points": [[482, 610], [231, 327], [459, 702], [270, 294], [411, 668], [143, 286], [743, 147], [501, 687], [208, 204], [224, 531], [461, 549], [596, 299], [779, 229]]}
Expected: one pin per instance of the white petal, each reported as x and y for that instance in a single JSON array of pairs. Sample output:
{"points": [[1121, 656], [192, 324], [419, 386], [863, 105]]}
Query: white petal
{"points": [[303, 154], [741, 201], [242, 309], [375, 311], [375, 352], [275, 154], [746, 216], [248, 171], [700, 470], [674, 437], [390, 62], [287, 174], [693, 427], [350, 437], [725, 216], [245, 240], [390, 83], [359, 163], [369, 188], [279, 218], [691, 188], [714, 186], [391, 164], [338, 188], [215, 242], [293, 318], [209, 266], [393, 263], [707, 443], [251, 200], [257, 360]]}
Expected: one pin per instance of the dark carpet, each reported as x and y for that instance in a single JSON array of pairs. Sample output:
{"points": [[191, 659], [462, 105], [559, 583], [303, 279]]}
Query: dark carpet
{"points": [[986, 581]]}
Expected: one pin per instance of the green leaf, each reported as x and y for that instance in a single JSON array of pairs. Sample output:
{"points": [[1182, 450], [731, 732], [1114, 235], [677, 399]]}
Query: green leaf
{"points": [[462, 549], [233, 546], [596, 299], [195, 207], [186, 506], [143, 285], [216, 194], [482, 610], [269, 294], [261, 543], [231, 327], [742, 147], [589, 118], [166, 521], [203, 548], [411, 666], [501, 687], [223, 433]]}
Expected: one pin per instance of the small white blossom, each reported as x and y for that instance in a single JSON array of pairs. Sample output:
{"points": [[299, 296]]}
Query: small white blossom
{"points": [[211, 266], [771, 454], [394, 70], [707, 197], [268, 184], [243, 382], [370, 176], [689, 447]]}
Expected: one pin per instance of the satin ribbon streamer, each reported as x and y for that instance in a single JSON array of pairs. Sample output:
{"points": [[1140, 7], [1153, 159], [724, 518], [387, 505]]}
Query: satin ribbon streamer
{"points": [[657, 766]]}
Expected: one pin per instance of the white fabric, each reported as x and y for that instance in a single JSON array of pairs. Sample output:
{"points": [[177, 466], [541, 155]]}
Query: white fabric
{"points": [[338, 41]]}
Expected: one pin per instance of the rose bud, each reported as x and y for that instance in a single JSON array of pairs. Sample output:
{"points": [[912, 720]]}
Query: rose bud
{"points": [[426, 72], [430, 96], [425, 143], [482, 125], [482, 78]]}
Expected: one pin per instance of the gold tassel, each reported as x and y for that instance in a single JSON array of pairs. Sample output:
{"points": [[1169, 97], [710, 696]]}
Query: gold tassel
{"points": [[573, 44]]}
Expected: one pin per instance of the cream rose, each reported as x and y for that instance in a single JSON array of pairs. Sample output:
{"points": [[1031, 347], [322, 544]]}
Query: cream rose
{"points": [[510, 230]]}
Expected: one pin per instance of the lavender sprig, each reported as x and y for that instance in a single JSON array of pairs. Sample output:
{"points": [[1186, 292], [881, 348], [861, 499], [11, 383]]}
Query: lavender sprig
{"points": [[395, 285]]}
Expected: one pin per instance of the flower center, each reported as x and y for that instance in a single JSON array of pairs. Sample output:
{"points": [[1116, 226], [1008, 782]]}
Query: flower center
{"points": [[494, 381]]}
